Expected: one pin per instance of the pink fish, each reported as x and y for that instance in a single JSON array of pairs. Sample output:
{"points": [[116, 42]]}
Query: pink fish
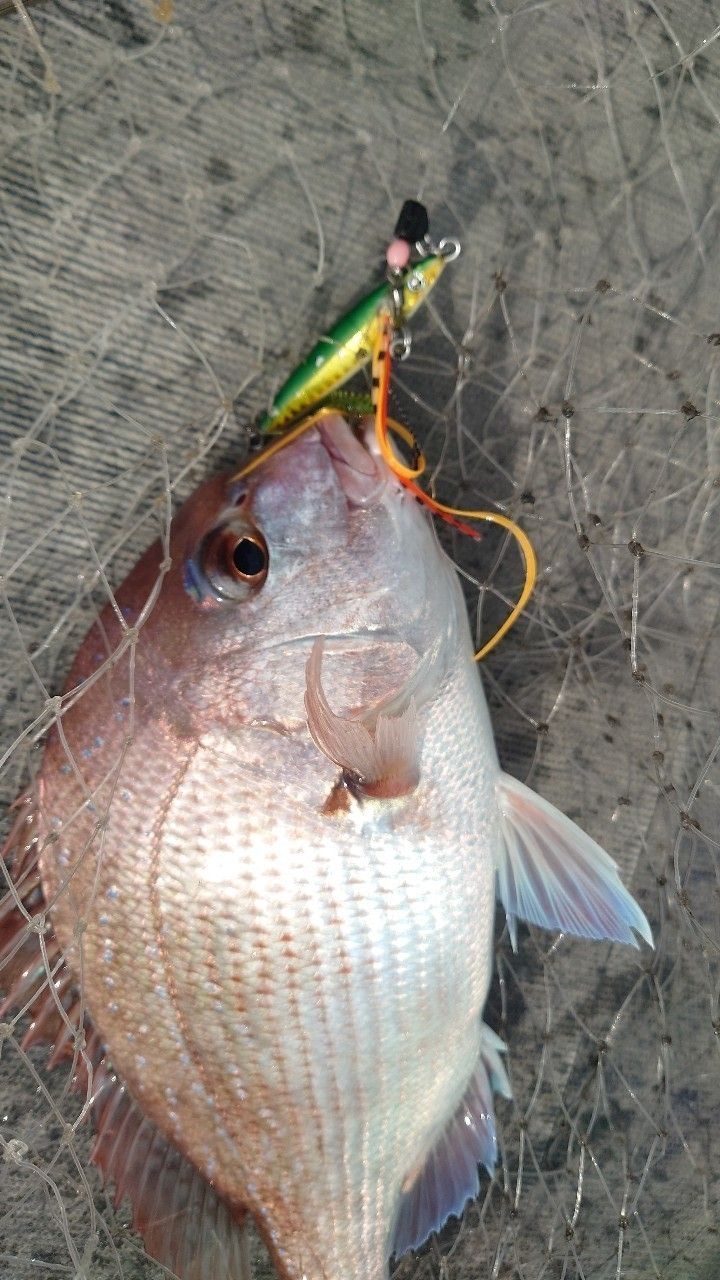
{"points": [[269, 831]]}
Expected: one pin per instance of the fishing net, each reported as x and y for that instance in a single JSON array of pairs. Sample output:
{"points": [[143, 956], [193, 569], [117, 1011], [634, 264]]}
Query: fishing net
{"points": [[189, 195]]}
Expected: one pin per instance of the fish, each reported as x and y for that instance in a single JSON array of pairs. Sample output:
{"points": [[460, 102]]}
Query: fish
{"points": [[263, 850]]}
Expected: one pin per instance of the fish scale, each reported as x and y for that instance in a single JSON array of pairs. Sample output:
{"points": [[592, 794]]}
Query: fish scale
{"points": [[399, 915]]}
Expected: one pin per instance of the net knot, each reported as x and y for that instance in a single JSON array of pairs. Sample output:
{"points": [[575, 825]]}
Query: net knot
{"points": [[15, 1151]]}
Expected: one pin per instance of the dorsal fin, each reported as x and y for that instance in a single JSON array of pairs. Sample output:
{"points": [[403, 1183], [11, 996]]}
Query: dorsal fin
{"points": [[449, 1177], [184, 1224]]}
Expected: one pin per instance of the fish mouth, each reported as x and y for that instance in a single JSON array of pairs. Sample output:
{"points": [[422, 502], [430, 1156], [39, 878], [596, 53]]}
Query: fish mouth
{"points": [[361, 473]]}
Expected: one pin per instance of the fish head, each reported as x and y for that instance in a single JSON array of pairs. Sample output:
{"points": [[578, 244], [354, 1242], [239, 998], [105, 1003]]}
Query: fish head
{"points": [[320, 541]]}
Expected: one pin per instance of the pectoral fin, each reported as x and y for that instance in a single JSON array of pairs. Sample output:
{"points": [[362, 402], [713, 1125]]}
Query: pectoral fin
{"points": [[382, 760], [552, 874]]}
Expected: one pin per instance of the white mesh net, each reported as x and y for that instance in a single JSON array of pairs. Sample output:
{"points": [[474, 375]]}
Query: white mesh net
{"points": [[189, 195]]}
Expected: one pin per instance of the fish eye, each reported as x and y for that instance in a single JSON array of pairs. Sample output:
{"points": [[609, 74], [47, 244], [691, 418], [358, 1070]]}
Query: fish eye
{"points": [[231, 565], [247, 557]]}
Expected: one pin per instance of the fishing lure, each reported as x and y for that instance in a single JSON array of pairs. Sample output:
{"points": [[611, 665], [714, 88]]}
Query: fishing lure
{"points": [[373, 330], [347, 348]]}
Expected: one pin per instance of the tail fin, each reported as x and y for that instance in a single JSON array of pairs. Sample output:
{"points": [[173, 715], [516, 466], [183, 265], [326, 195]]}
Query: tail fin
{"points": [[551, 874]]}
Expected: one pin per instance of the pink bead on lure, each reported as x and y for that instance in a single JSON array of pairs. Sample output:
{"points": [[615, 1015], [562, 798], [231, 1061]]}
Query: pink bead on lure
{"points": [[398, 254]]}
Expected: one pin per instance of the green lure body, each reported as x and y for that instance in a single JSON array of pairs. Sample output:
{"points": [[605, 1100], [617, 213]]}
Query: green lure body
{"points": [[347, 347]]}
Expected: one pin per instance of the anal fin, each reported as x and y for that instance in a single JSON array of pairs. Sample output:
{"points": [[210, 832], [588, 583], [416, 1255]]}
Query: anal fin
{"points": [[552, 874], [449, 1176]]}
